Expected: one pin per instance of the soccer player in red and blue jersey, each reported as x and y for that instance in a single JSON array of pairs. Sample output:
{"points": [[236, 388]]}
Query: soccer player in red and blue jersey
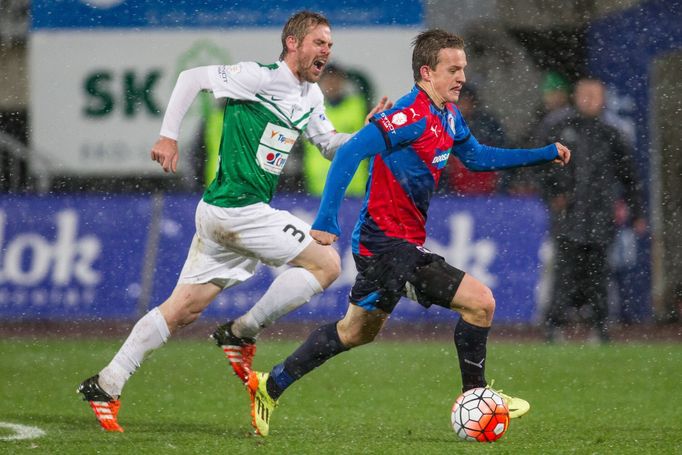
{"points": [[409, 146]]}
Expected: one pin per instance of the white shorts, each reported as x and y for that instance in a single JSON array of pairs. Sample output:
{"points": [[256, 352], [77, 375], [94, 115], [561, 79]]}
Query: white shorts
{"points": [[230, 242]]}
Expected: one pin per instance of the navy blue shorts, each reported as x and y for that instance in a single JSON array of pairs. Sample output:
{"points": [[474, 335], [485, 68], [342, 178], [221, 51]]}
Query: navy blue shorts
{"points": [[406, 270]]}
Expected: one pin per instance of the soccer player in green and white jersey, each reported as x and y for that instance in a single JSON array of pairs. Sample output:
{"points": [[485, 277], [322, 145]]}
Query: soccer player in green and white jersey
{"points": [[268, 108]]}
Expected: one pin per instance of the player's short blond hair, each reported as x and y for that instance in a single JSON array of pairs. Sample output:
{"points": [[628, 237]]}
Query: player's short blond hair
{"points": [[299, 25]]}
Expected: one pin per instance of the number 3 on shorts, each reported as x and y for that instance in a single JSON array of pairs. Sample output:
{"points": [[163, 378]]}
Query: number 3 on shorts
{"points": [[296, 233]]}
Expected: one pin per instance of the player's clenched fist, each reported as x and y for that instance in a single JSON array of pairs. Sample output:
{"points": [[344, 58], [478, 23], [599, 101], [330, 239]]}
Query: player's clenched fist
{"points": [[322, 237], [564, 154], [165, 152]]}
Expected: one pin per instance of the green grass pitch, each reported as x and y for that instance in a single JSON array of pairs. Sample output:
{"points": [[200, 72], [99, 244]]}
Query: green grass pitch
{"points": [[385, 398]]}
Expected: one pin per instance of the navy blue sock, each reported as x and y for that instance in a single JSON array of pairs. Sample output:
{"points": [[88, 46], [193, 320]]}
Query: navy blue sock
{"points": [[322, 344], [471, 341]]}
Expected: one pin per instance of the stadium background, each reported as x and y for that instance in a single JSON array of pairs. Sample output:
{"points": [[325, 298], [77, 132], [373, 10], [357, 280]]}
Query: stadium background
{"points": [[91, 229], [92, 234]]}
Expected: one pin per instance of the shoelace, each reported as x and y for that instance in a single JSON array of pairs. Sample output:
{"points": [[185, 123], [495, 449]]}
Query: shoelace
{"points": [[504, 396]]}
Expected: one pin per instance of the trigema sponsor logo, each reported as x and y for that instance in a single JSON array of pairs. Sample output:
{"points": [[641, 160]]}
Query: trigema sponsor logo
{"points": [[279, 138]]}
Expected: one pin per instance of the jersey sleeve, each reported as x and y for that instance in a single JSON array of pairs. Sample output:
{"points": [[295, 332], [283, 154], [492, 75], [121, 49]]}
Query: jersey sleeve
{"points": [[238, 81], [365, 143], [319, 123], [479, 157], [399, 126]]}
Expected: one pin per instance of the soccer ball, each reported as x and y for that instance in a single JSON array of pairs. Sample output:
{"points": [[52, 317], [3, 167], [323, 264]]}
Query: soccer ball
{"points": [[480, 415]]}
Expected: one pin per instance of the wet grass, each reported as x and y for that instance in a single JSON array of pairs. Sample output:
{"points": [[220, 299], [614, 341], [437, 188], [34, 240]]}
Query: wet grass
{"points": [[385, 398]]}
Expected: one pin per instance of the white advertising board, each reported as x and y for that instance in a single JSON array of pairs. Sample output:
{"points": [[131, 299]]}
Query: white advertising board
{"points": [[97, 97]]}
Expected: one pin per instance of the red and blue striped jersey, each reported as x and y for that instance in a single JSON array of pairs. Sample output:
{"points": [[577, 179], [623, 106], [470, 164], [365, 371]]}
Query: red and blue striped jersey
{"points": [[419, 137], [410, 145]]}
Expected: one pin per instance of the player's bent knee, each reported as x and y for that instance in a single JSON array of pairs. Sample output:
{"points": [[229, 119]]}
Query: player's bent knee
{"points": [[485, 304], [333, 267], [357, 338], [179, 317], [328, 265], [478, 307], [184, 306], [354, 335]]}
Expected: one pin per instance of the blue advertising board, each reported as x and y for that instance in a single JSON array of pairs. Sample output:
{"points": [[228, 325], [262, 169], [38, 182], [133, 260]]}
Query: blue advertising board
{"points": [[93, 14], [83, 257], [72, 257]]}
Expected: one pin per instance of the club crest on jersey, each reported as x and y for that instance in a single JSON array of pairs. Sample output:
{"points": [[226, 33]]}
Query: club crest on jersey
{"points": [[451, 124], [399, 119], [441, 159]]}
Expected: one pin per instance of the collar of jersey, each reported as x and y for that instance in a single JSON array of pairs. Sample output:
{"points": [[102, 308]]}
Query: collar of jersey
{"points": [[282, 64], [442, 110]]}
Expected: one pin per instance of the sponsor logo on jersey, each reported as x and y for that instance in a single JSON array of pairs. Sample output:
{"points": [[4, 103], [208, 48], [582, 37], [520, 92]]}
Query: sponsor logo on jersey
{"points": [[399, 119], [386, 123], [451, 124], [225, 70], [441, 159], [279, 138], [435, 130], [271, 161], [234, 69], [275, 145], [222, 72], [414, 114]]}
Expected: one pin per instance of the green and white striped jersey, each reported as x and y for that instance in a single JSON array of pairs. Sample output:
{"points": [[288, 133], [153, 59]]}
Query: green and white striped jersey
{"points": [[267, 109]]}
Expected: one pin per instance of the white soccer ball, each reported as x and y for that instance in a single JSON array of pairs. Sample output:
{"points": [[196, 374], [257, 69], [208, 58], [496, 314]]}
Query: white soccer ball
{"points": [[480, 415]]}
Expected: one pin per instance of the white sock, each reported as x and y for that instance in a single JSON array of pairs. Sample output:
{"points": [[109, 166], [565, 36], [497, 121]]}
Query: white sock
{"points": [[289, 291], [150, 333]]}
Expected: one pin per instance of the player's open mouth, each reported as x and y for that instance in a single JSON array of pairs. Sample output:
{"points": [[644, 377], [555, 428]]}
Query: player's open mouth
{"points": [[319, 64]]}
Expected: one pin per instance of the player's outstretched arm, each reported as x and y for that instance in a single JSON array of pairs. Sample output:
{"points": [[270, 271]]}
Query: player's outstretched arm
{"points": [[329, 143], [189, 83], [479, 157], [165, 152], [365, 143]]}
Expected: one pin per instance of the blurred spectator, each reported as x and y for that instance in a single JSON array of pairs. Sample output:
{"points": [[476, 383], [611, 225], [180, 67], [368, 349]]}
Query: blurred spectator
{"points": [[209, 145], [489, 131], [624, 260], [556, 107], [581, 201], [556, 92], [347, 109]]}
